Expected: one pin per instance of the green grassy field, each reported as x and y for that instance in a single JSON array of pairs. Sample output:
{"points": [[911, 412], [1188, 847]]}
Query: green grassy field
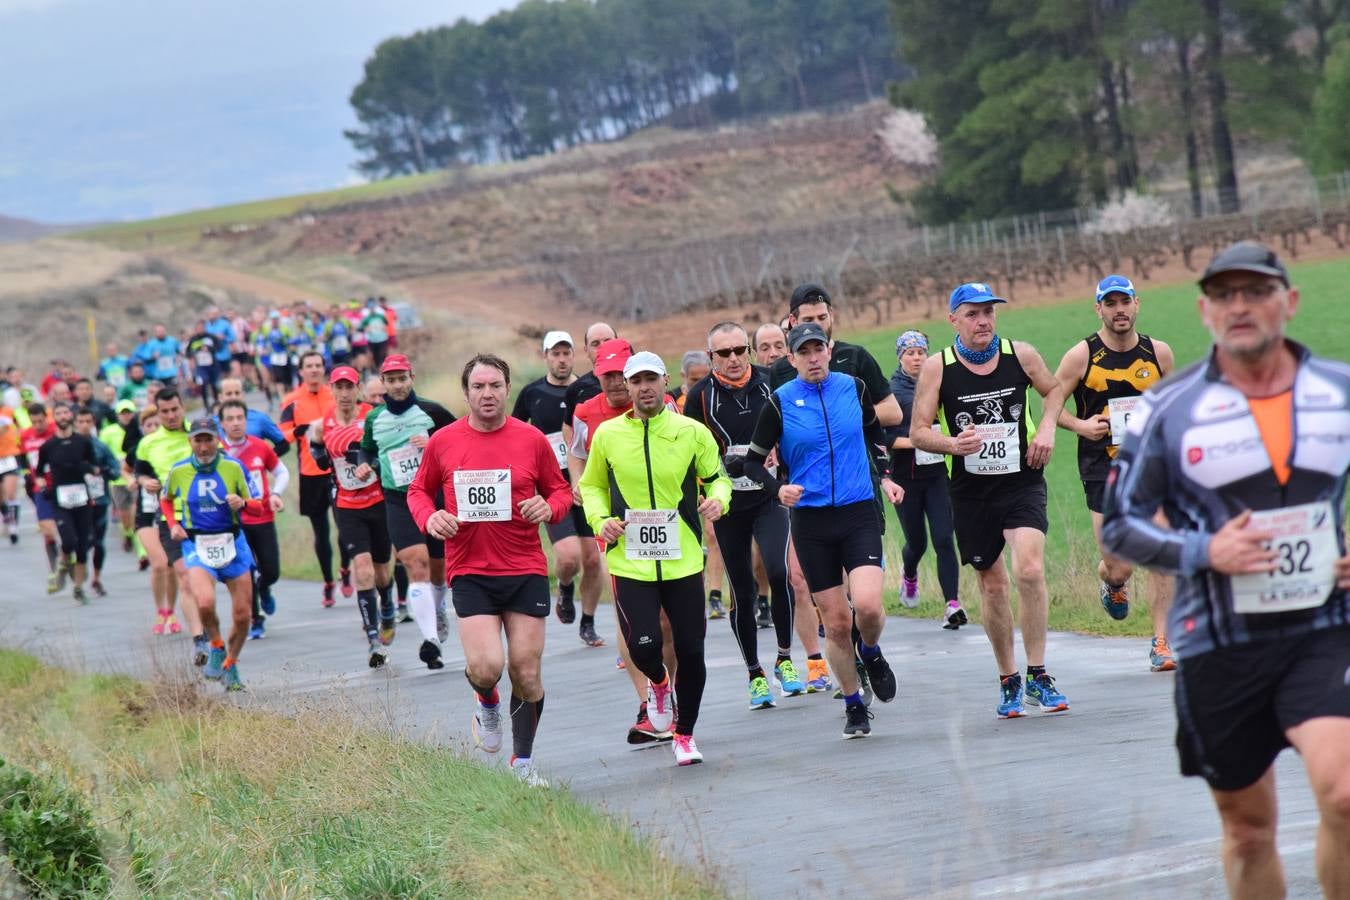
{"points": [[188, 796]]}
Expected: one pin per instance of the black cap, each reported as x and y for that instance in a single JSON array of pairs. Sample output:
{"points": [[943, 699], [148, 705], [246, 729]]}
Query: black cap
{"points": [[801, 334], [808, 293], [1246, 256], [202, 425]]}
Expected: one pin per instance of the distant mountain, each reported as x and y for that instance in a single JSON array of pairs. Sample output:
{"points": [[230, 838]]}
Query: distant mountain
{"points": [[14, 230]]}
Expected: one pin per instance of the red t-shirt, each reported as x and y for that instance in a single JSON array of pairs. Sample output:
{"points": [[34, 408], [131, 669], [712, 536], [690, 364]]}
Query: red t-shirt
{"points": [[473, 466], [589, 415], [31, 441], [337, 440], [258, 459]]}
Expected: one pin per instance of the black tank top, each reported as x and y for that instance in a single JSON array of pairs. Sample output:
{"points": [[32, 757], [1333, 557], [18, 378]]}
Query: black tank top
{"points": [[997, 404], [1110, 375]]}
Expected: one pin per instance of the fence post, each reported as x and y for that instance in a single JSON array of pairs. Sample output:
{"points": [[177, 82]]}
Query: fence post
{"points": [[1063, 259]]}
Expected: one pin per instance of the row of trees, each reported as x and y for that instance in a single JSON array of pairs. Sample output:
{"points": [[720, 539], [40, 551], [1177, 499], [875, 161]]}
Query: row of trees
{"points": [[550, 74], [1044, 104]]}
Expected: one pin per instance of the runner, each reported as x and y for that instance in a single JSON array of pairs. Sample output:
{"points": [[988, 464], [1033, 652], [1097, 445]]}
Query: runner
{"points": [[490, 525], [729, 402], [393, 442], [647, 510], [137, 386], [112, 369], [307, 404], [202, 499], [31, 440], [542, 403], [359, 505], [770, 344], [65, 460], [923, 476], [201, 350], [11, 464], [259, 423], [1246, 452], [373, 395], [268, 479], [375, 326], [588, 385], [997, 480], [836, 525], [123, 497], [1105, 373], [84, 399], [100, 495], [162, 356]]}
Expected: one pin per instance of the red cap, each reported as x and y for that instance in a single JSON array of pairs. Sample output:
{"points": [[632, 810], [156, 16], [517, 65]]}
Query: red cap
{"points": [[344, 373], [611, 355], [396, 363]]}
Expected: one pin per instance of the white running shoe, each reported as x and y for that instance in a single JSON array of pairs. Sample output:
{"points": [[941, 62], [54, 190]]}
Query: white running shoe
{"points": [[487, 728], [525, 771], [686, 751], [661, 705]]}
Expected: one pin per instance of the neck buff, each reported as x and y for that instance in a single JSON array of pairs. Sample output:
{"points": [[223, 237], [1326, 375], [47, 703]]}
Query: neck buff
{"points": [[399, 407], [977, 357], [739, 383], [205, 467]]}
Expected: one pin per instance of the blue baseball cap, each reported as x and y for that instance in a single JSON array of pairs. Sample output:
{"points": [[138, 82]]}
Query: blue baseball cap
{"points": [[973, 292], [1115, 284]]}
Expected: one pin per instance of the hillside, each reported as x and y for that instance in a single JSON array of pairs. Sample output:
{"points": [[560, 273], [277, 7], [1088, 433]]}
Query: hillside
{"points": [[12, 229]]}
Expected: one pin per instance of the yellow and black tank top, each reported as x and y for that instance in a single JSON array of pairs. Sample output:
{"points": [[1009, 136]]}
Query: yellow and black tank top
{"points": [[1110, 374]]}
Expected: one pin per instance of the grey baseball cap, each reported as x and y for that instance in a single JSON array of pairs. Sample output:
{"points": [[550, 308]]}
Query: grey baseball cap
{"points": [[1246, 256]]}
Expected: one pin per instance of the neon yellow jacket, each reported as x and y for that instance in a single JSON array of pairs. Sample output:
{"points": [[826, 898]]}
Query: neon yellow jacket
{"points": [[665, 462]]}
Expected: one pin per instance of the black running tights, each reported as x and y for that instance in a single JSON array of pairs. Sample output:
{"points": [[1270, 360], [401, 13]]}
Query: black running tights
{"points": [[639, 605], [767, 526], [929, 497], [262, 540]]}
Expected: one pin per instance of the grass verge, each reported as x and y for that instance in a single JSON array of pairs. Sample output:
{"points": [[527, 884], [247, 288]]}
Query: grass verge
{"points": [[193, 797]]}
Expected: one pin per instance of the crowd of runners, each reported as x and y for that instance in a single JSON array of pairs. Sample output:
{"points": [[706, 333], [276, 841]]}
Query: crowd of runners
{"points": [[767, 464]]}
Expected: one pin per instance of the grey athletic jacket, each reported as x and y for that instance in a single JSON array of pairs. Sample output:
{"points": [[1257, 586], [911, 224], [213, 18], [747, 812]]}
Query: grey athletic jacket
{"points": [[1193, 449]]}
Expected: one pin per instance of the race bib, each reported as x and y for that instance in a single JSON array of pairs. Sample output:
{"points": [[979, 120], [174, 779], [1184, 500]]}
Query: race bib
{"points": [[279, 358], [216, 550], [94, 483], [652, 534], [149, 502], [204, 358], [404, 463], [72, 496], [745, 483], [924, 458], [999, 453], [555, 440], [483, 495], [8, 464], [1305, 573], [346, 476], [1121, 409]]}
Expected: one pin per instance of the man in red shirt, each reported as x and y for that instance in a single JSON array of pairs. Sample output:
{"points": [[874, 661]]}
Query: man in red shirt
{"points": [[363, 531], [30, 442], [501, 481], [268, 479]]}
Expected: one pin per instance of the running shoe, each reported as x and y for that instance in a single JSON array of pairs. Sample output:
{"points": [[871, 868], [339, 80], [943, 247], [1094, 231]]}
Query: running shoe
{"points": [[760, 698], [763, 614], [143, 564], [231, 679], [13, 538], [857, 721], [257, 630], [955, 616], [201, 649], [523, 767], [97, 587], [619, 663], [62, 573], [126, 543], [817, 676], [1010, 698], [430, 654], [566, 609], [787, 678], [78, 594], [442, 622], [686, 751], [52, 586], [215, 664], [1160, 656], [403, 614], [1116, 601], [864, 684], [1041, 691], [588, 635], [642, 732], [268, 603], [661, 704], [487, 728], [377, 655], [881, 677], [161, 621], [328, 601], [715, 609], [386, 632], [346, 576], [909, 591], [174, 628]]}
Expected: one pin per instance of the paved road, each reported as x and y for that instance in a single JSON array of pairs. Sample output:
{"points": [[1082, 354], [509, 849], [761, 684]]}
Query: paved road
{"points": [[941, 800]]}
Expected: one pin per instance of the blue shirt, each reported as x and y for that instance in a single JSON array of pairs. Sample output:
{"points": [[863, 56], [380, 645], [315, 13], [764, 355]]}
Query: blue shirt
{"points": [[164, 355], [223, 332], [822, 441]]}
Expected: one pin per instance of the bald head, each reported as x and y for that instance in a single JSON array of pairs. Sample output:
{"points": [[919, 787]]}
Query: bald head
{"points": [[231, 389], [596, 335]]}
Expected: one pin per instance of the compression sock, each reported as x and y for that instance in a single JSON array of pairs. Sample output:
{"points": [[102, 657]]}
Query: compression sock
{"points": [[368, 603], [524, 722], [51, 555], [587, 620], [491, 698], [438, 590], [386, 601], [423, 607], [567, 591], [401, 579]]}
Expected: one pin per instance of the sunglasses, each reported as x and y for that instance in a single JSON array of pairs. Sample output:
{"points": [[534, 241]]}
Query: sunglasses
{"points": [[729, 352]]}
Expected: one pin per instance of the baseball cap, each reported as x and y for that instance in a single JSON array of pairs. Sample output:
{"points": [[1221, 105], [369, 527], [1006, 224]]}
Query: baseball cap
{"points": [[554, 338], [125, 406], [646, 361], [973, 292], [345, 373], [611, 356], [1114, 284], [202, 425], [805, 333], [808, 293], [396, 363], [1246, 256]]}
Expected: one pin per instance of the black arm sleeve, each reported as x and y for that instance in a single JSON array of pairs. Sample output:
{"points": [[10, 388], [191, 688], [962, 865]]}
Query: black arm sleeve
{"points": [[874, 435], [281, 447], [440, 416], [768, 431], [320, 454]]}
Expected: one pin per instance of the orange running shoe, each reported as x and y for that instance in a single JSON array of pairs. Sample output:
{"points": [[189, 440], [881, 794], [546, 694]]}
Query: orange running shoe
{"points": [[817, 676], [1160, 656]]}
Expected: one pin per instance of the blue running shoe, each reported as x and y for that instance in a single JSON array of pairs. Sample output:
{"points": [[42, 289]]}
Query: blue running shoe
{"points": [[789, 681], [1041, 691], [1010, 698], [1116, 601], [215, 664], [257, 630], [760, 698], [231, 679], [268, 604]]}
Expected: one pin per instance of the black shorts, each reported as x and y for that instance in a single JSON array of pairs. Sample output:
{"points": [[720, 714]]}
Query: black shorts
{"points": [[244, 359], [364, 531], [403, 531], [1095, 491], [980, 524], [492, 595], [569, 525], [1235, 704], [316, 495], [832, 540], [172, 549]]}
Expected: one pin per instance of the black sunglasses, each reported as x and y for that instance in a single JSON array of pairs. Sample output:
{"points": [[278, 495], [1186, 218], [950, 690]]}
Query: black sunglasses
{"points": [[728, 352]]}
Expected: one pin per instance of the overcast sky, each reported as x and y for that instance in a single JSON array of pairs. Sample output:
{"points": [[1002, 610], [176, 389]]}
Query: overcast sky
{"points": [[121, 109]]}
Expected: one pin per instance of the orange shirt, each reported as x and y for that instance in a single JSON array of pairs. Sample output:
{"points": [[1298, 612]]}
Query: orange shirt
{"points": [[1275, 420], [301, 407], [9, 433]]}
